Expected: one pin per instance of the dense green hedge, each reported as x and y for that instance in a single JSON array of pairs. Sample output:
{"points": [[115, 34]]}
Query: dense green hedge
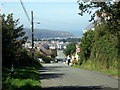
{"points": [[105, 52], [100, 48], [46, 59]]}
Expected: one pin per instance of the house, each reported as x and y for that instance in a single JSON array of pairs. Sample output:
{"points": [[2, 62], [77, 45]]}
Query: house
{"points": [[91, 26], [52, 46], [44, 49]]}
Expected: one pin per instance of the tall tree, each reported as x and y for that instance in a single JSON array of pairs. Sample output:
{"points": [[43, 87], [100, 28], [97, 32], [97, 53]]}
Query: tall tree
{"points": [[12, 39], [107, 11], [86, 45], [70, 49]]}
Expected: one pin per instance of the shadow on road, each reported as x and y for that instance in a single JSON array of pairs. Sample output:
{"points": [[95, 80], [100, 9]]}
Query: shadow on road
{"points": [[50, 75], [51, 68], [49, 72], [79, 88]]}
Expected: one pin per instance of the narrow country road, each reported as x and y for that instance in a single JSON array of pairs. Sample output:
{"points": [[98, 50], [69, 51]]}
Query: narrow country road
{"points": [[59, 76], [60, 54]]}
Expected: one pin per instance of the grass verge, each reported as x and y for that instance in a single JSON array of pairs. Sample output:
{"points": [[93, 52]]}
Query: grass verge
{"points": [[112, 72], [25, 78]]}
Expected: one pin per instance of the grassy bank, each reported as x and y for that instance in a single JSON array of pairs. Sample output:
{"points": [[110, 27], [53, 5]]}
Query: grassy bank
{"points": [[112, 72], [24, 78]]}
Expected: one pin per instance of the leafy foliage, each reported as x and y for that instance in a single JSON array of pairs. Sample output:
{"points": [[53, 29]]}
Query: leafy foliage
{"points": [[105, 50], [53, 53], [86, 46], [25, 74], [23, 79], [104, 9], [46, 59], [101, 47], [70, 49], [10, 42]]}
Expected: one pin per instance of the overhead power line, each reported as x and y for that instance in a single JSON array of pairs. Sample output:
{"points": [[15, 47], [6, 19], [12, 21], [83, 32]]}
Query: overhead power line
{"points": [[25, 11]]}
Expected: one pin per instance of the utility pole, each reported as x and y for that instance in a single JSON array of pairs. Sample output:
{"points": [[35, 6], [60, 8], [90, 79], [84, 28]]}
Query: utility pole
{"points": [[32, 26]]}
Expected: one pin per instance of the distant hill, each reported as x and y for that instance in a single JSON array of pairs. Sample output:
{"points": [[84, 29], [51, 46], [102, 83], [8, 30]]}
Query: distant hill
{"points": [[44, 33]]}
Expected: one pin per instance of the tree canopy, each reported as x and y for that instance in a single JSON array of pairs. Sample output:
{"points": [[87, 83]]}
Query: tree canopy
{"points": [[11, 41], [70, 49]]}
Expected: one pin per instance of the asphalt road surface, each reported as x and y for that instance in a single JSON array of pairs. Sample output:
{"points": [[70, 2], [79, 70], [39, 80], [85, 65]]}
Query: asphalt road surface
{"points": [[59, 76], [60, 54]]}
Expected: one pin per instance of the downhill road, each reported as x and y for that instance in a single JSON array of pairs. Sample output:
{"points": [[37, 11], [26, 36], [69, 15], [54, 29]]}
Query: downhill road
{"points": [[59, 76], [60, 54]]}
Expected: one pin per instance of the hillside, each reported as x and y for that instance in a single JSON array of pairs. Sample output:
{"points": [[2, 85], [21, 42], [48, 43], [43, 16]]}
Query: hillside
{"points": [[44, 33]]}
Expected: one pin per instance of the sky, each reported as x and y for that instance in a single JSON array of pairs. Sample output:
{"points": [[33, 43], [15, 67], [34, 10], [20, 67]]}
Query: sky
{"points": [[59, 16]]}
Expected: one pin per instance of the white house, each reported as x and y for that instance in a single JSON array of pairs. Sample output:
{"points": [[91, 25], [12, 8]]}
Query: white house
{"points": [[91, 26]]}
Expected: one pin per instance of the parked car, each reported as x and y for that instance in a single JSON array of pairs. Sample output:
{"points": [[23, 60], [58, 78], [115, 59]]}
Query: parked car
{"points": [[52, 61], [56, 61], [64, 60], [60, 60], [40, 60]]}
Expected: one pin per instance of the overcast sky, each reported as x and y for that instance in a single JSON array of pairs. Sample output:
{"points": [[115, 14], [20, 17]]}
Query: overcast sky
{"points": [[62, 16]]}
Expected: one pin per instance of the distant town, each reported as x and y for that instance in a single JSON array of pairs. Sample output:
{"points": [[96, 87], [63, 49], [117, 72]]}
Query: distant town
{"points": [[57, 43], [50, 47]]}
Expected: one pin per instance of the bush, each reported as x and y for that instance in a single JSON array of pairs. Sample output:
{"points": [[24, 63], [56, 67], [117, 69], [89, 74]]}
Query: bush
{"points": [[25, 58], [105, 52], [70, 49], [100, 47], [46, 59], [23, 79]]}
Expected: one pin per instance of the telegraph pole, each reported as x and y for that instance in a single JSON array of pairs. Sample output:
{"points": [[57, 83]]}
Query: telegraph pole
{"points": [[32, 26]]}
